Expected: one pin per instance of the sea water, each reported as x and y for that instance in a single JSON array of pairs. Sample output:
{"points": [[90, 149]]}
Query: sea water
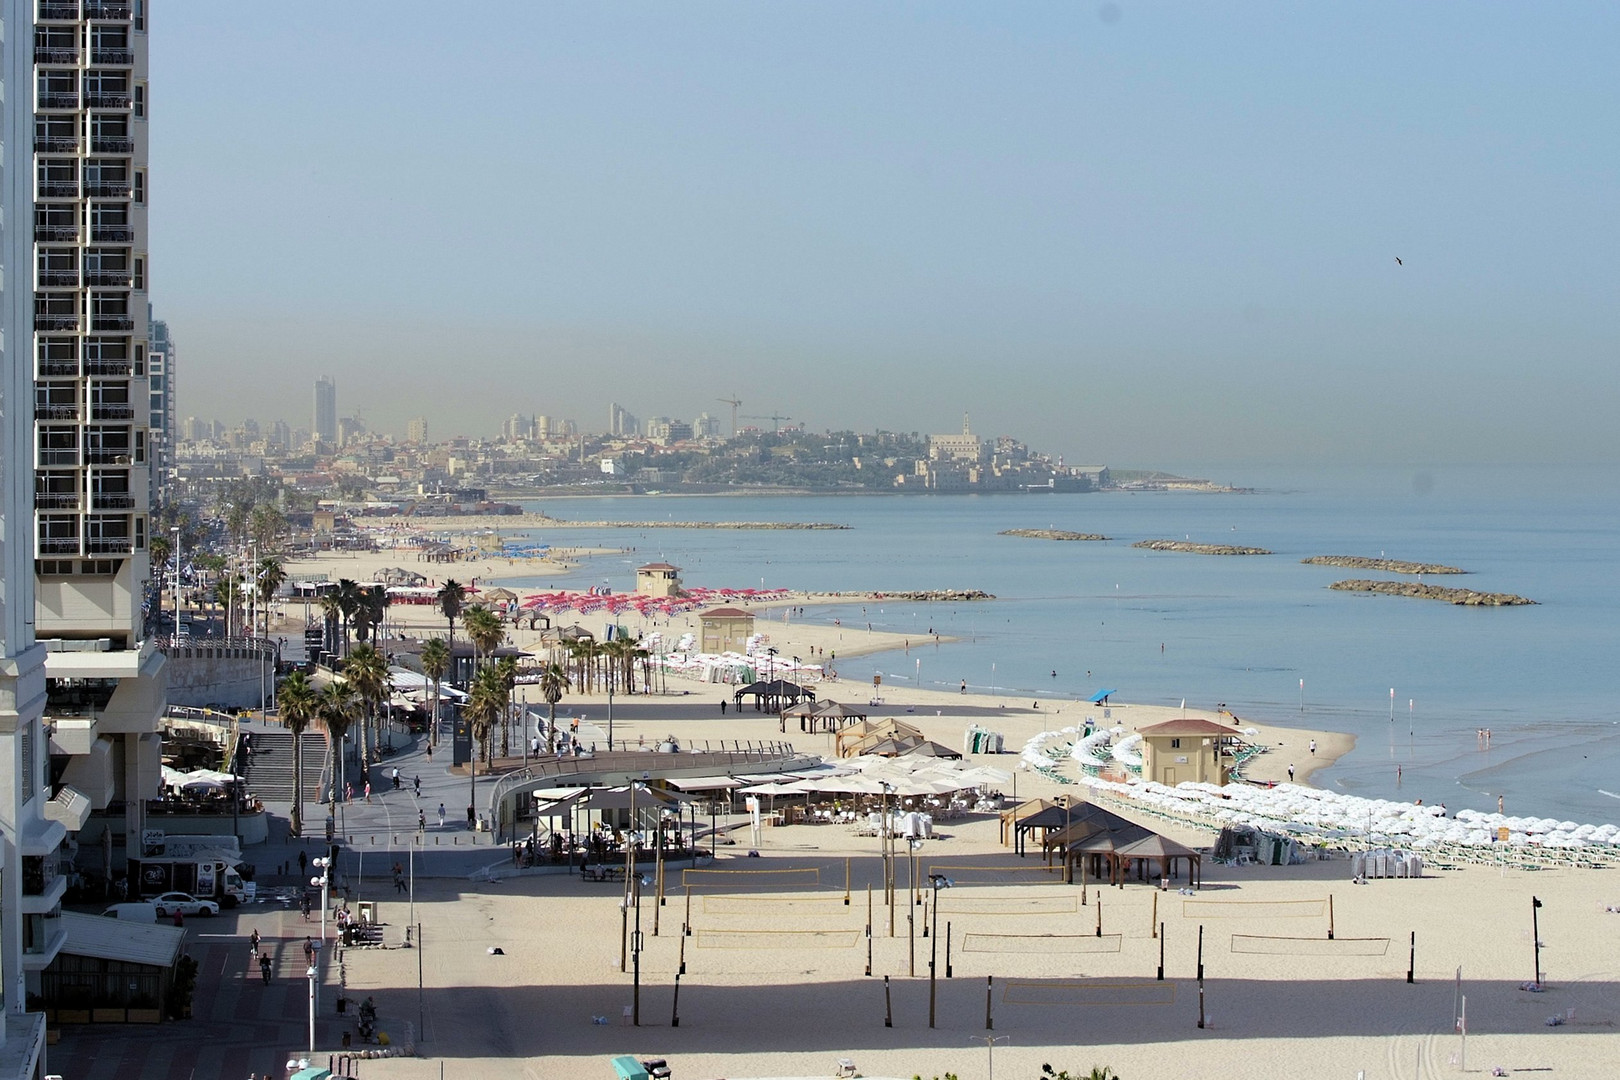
{"points": [[1243, 631]]}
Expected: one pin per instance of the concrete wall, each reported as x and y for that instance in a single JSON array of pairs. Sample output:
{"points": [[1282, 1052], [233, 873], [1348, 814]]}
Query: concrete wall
{"points": [[223, 677]]}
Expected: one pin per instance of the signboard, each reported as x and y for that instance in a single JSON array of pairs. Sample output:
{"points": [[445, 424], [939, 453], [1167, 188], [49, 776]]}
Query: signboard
{"points": [[205, 879], [151, 842], [461, 741], [877, 679]]}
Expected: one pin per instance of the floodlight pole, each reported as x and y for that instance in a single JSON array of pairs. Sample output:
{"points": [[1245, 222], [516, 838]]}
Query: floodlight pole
{"points": [[1535, 933], [939, 881]]}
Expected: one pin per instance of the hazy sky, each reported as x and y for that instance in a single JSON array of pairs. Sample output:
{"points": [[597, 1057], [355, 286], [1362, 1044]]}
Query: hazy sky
{"points": [[1130, 233]]}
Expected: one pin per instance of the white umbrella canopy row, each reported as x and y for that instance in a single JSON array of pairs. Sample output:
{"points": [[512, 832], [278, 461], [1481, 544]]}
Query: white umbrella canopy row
{"points": [[1291, 807]]}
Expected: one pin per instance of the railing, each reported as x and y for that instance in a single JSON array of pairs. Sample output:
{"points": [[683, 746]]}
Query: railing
{"points": [[108, 277], [57, 459], [110, 545], [107, 189], [56, 412], [112, 234], [56, 369], [56, 234], [59, 101], [120, 501], [94, 99], [112, 412], [111, 322], [56, 322], [107, 367], [106, 9], [107, 457], [59, 278], [56, 545], [58, 9], [112, 146], [56, 145], [39, 873], [48, 54], [59, 189], [121, 57], [56, 500]]}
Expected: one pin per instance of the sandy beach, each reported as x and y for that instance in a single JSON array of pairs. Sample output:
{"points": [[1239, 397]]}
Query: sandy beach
{"points": [[1281, 997]]}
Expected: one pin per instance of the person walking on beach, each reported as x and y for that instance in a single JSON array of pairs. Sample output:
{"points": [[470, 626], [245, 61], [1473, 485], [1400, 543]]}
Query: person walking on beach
{"points": [[964, 687], [1313, 747], [1290, 772]]}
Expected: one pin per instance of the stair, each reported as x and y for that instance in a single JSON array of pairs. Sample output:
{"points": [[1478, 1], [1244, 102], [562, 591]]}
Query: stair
{"points": [[270, 768]]}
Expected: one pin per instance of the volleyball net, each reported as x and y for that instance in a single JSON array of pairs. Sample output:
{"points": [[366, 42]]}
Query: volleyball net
{"points": [[819, 903], [1067, 944], [975, 874], [777, 939], [791, 877], [1009, 905], [1254, 909], [1266, 945]]}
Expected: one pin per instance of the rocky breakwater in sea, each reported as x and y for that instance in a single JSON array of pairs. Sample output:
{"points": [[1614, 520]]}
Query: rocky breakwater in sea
{"points": [[1464, 597], [1051, 534], [926, 596], [1391, 566], [763, 525], [1198, 549]]}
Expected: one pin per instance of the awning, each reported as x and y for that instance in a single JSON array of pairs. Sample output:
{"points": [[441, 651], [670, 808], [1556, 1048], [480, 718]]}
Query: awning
{"points": [[1101, 696], [703, 783]]}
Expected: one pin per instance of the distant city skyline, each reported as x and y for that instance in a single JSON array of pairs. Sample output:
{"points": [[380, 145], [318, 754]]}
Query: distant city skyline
{"points": [[1169, 236]]}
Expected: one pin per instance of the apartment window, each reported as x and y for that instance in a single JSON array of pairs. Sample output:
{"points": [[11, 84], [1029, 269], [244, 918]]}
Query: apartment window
{"points": [[140, 101], [140, 445], [140, 15], [140, 360], [138, 191], [99, 567], [138, 279], [55, 567], [140, 534]]}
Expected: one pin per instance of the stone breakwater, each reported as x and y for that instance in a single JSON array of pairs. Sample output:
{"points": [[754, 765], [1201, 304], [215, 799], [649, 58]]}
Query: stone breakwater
{"points": [[1392, 566], [1198, 549], [926, 596], [765, 525], [1465, 597], [1051, 534]]}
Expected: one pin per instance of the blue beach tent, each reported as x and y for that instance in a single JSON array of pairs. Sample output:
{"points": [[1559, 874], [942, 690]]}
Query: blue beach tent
{"points": [[1101, 697]]}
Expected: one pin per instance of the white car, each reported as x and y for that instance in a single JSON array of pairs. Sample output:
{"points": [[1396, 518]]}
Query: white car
{"points": [[185, 904]]}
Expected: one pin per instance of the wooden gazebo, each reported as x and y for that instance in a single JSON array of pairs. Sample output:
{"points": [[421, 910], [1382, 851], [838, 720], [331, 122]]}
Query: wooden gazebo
{"points": [[772, 695], [1166, 852]]}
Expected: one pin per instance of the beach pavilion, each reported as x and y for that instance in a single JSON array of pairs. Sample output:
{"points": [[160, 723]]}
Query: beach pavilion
{"points": [[773, 695]]}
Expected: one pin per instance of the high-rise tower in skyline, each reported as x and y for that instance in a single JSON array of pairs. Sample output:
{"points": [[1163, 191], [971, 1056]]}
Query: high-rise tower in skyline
{"points": [[160, 383], [325, 427]]}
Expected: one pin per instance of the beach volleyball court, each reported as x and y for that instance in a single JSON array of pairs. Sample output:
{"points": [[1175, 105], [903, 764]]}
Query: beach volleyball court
{"points": [[1068, 944], [1088, 992], [1254, 909], [1265, 945]]}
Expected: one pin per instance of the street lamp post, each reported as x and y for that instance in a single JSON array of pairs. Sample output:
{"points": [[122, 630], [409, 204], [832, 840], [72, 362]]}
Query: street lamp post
{"points": [[175, 530], [610, 717], [311, 973], [938, 881]]}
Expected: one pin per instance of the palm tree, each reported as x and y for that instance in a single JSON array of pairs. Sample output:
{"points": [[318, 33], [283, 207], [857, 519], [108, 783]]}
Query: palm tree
{"points": [[367, 671], [435, 662], [506, 670], [299, 703], [553, 684], [371, 608], [271, 575], [348, 594], [337, 710], [485, 629], [452, 595], [331, 612], [483, 708]]}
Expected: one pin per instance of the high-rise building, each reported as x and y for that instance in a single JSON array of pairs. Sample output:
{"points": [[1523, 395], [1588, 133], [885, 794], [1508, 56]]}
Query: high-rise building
{"points": [[621, 422], [105, 687], [416, 430], [160, 382], [326, 417], [30, 932], [706, 427]]}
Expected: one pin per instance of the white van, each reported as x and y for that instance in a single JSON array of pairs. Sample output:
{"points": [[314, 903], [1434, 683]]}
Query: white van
{"points": [[132, 912]]}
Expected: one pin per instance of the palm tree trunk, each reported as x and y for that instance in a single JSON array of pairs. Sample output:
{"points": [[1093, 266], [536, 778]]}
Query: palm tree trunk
{"points": [[298, 784]]}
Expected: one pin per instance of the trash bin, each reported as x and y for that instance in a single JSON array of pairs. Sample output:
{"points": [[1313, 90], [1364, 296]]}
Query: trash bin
{"points": [[368, 911]]}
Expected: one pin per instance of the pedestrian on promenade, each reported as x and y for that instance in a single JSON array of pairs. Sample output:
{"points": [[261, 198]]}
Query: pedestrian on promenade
{"points": [[722, 706], [255, 940], [304, 906], [309, 950], [416, 782], [396, 778], [421, 821], [303, 863], [264, 967], [472, 817], [430, 753], [441, 815]]}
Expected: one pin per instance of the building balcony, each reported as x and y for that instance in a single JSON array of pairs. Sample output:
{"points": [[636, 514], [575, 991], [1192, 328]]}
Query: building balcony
{"points": [[57, 369], [58, 459], [119, 501], [56, 323], [56, 545], [107, 189], [112, 412], [115, 57], [108, 456], [49, 279], [56, 234], [56, 412], [55, 145], [110, 323], [120, 278], [56, 500], [59, 101], [55, 55], [110, 545], [112, 146], [112, 234], [105, 100], [59, 189], [43, 939], [69, 806], [107, 10], [42, 881], [114, 367], [58, 11]]}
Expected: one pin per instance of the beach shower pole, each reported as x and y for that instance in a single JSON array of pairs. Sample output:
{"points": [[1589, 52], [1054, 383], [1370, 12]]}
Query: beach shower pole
{"points": [[1161, 952], [1302, 695], [1535, 933], [1392, 704]]}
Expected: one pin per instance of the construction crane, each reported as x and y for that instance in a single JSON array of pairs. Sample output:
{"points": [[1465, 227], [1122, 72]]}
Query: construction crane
{"points": [[774, 418], [733, 402]]}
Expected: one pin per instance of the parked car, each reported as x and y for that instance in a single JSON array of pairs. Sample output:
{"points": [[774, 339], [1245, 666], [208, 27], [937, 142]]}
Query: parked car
{"points": [[184, 903], [132, 912]]}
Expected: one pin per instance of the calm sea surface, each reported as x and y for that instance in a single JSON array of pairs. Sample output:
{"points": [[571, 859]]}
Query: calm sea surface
{"points": [[1162, 627]]}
